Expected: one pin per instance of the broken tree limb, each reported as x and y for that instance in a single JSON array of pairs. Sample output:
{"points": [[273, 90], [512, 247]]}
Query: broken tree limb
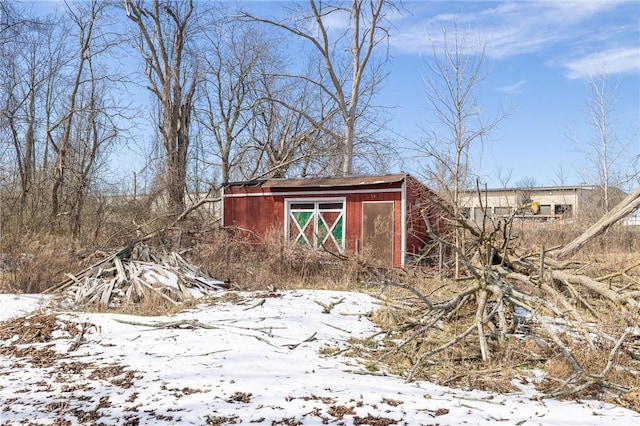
{"points": [[328, 308], [598, 287], [624, 208], [624, 272], [308, 339], [170, 324], [511, 302], [481, 318], [260, 303], [181, 216]]}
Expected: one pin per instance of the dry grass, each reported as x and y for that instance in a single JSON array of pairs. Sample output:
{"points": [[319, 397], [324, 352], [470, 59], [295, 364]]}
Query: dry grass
{"points": [[268, 263], [151, 304], [38, 263], [619, 242], [253, 263]]}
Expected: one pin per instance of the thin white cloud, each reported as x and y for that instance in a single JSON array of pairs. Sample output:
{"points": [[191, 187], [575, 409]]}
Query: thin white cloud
{"points": [[509, 28], [336, 21], [514, 88], [525, 27], [610, 62]]}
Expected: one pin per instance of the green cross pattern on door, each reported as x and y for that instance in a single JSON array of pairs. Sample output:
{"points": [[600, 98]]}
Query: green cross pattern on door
{"points": [[302, 220]]}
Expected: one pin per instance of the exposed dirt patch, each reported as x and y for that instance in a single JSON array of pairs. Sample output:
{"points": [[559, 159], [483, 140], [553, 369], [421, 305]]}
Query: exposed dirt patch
{"points": [[240, 397], [374, 421], [339, 411], [38, 328], [39, 357]]}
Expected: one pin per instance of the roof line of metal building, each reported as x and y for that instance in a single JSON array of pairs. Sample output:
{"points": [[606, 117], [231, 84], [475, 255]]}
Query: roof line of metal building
{"points": [[535, 188]]}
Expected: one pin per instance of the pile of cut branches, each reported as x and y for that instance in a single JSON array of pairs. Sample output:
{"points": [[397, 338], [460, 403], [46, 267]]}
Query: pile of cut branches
{"points": [[131, 274], [518, 310]]}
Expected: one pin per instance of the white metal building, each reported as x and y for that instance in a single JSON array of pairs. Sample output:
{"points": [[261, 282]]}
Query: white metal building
{"points": [[553, 202]]}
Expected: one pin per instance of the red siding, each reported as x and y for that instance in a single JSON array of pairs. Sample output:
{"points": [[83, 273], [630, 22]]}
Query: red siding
{"points": [[354, 221], [257, 214], [259, 208]]}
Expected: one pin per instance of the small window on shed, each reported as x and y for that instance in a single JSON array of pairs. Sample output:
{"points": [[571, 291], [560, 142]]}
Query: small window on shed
{"points": [[331, 206], [302, 206]]}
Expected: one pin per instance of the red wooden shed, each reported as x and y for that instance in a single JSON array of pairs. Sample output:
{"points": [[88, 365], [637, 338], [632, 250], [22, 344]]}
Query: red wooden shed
{"points": [[377, 216]]}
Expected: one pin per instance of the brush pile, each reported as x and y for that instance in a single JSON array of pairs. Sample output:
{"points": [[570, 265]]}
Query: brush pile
{"points": [[575, 321], [132, 274]]}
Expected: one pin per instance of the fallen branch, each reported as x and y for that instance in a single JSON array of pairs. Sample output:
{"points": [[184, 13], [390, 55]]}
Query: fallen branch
{"points": [[624, 208], [170, 324], [308, 339], [328, 308]]}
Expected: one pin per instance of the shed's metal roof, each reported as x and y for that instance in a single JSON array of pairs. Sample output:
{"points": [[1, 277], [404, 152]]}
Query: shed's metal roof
{"points": [[323, 182]]}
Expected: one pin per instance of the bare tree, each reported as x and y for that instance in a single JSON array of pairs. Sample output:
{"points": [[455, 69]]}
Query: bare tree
{"points": [[504, 176], [62, 143], [525, 186], [350, 83], [98, 127], [23, 74], [165, 31], [12, 21], [258, 121], [36, 61], [234, 51], [57, 113], [292, 128], [26, 44], [561, 176], [86, 126], [456, 124], [604, 150]]}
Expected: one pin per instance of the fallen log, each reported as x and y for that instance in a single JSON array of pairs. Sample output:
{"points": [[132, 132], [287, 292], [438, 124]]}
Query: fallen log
{"points": [[624, 208], [598, 287]]}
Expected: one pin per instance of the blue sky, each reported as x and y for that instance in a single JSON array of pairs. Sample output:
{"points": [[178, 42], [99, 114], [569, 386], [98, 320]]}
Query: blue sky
{"points": [[539, 57]]}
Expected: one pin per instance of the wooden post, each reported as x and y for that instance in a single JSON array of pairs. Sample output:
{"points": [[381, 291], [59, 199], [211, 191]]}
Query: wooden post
{"points": [[541, 272], [440, 258]]}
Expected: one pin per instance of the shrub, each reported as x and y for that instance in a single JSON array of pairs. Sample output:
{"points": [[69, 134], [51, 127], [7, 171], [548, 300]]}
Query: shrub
{"points": [[39, 263]]}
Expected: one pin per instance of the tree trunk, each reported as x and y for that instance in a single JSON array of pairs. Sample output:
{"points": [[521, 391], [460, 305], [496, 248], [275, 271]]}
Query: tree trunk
{"points": [[163, 33], [626, 206]]}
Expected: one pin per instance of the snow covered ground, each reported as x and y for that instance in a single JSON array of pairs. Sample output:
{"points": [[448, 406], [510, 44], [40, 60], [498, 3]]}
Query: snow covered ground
{"points": [[265, 359]]}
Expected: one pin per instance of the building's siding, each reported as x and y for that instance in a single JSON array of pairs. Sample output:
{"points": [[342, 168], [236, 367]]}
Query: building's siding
{"points": [[244, 211], [261, 208], [355, 220], [552, 200], [566, 202]]}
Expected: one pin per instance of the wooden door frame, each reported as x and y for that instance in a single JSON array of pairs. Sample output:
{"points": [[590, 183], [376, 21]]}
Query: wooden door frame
{"points": [[393, 225]]}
